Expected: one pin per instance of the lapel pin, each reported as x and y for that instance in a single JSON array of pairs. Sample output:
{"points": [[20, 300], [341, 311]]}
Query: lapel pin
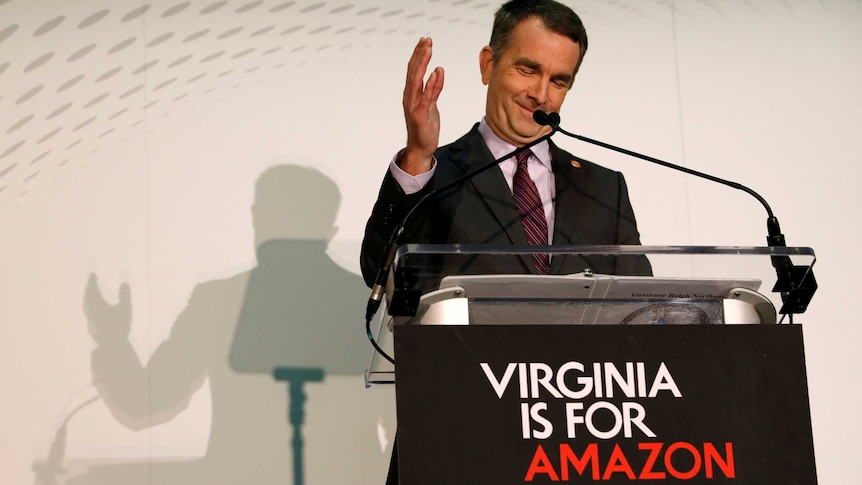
{"points": [[576, 164]]}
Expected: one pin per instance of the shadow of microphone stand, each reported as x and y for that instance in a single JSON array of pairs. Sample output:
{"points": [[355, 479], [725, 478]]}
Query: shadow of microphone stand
{"points": [[47, 473], [296, 379]]}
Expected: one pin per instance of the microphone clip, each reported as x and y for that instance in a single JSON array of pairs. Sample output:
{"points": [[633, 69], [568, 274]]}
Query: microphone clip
{"points": [[796, 284]]}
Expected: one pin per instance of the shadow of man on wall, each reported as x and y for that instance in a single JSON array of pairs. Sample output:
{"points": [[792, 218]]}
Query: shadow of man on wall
{"points": [[297, 309]]}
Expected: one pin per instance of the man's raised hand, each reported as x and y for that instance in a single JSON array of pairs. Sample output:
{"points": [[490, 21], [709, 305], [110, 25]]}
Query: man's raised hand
{"points": [[420, 110]]}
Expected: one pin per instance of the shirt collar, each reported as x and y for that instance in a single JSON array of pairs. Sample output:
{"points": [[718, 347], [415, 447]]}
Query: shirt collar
{"points": [[498, 147]]}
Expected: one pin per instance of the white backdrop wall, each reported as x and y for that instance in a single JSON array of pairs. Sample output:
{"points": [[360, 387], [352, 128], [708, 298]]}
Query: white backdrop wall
{"points": [[133, 134]]}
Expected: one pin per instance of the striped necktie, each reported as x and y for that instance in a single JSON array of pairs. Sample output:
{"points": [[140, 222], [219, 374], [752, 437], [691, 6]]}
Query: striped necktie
{"points": [[532, 213]]}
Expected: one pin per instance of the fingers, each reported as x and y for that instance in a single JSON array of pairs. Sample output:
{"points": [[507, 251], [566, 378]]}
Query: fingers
{"points": [[428, 99], [418, 62], [420, 109], [434, 85], [419, 97], [416, 69]]}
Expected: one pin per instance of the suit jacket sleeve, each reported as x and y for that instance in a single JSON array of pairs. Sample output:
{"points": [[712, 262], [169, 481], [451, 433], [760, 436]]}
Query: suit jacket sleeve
{"points": [[390, 208]]}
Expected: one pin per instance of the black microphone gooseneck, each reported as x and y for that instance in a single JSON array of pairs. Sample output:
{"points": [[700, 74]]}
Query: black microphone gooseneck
{"points": [[395, 239], [795, 283]]}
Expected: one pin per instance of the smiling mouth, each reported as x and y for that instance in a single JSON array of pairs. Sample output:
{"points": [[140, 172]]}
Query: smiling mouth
{"points": [[528, 111]]}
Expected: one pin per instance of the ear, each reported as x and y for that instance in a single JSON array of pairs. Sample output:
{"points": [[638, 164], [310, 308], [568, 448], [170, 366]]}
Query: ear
{"points": [[486, 64]]}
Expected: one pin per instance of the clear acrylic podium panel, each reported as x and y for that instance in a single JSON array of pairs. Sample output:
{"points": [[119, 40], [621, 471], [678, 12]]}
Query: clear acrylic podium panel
{"points": [[419, 268]]}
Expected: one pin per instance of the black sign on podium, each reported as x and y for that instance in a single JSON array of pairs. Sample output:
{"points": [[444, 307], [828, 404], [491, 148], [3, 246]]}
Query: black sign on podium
{"points": [[679, 377], [486, 404]]}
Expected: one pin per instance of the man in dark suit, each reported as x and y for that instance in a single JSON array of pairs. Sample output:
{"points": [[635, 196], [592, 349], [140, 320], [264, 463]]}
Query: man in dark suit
{"points": [[530, 64], [534, 54]]}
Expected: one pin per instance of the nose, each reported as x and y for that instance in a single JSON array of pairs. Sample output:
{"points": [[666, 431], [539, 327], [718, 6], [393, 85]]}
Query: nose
{"points": [[538, 91]]}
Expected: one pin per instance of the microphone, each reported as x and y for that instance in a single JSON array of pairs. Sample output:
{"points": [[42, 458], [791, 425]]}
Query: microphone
{"points": [[545, 119], [395, 240], [795, 283]]}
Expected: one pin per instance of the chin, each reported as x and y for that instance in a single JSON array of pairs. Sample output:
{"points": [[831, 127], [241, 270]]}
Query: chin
{"points": [[528, 135]]}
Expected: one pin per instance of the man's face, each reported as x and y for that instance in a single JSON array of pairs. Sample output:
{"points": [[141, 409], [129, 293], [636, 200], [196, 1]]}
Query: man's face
{"points": [[534, 72]]}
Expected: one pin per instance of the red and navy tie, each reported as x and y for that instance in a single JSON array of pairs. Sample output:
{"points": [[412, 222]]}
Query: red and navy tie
{"points": [[532, 213]]}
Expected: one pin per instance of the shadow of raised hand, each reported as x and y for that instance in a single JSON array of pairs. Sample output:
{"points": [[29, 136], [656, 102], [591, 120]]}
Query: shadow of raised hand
{"points": [[107, 322]]}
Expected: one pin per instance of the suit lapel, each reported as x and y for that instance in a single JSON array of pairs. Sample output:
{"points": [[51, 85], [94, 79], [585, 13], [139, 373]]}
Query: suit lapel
{"points": [[568, 183], [491, 188]]}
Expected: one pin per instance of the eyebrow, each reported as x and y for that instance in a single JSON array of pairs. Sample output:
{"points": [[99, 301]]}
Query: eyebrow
{"points": [[531, 64]]}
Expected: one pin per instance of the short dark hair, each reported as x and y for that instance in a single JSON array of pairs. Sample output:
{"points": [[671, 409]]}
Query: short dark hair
{"points": [[557, 17]]}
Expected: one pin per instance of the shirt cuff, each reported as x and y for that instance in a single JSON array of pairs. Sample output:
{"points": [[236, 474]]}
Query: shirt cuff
{"points": [[410, 184]]}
